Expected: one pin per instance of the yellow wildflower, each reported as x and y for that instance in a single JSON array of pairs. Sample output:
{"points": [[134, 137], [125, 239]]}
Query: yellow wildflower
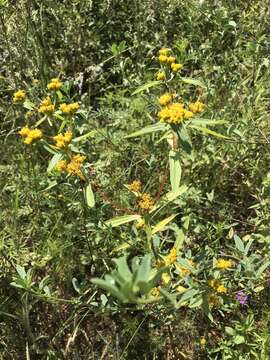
{"points": [[161, 75], [63, 140], [163, 58], [46, 106], [74, 166], [213, 300], [30, 135], [174, 113], [135, 186], [24, 132], [202, 341], [165, 99], [61, 166], [19, 96], [164, 51], [217, 285], [224, 264], [171, 59], [171, 257], [145, 202], [54, 84], [197, 107], [70, 108], [155, 292], [175, 67], [166, 278]]}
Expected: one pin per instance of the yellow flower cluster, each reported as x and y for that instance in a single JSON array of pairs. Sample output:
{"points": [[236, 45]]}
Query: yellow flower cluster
{"points": [[197, 107], [70, 108], [224, 264], [19, 96], [165, 99], [165, 57], [46, 106], [145, 202], [63, 140], [54, 84], [174, 113], [135, 186], [73, 167], [30, 135], [213, 300], [155, 292], [171, 257], [161, 75], [217, 286]]}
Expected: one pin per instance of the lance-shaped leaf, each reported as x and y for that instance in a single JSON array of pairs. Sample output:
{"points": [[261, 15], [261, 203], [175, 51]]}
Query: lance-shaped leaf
{"points": [[148, 129], [208, 131], [53, 162], [120, 220], [146, 87], [194, 82], [175, 169], [161, 225], [89, 196]]}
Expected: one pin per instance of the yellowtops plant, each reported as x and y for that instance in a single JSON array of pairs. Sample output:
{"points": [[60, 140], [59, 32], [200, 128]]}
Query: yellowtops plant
{"points": [[224, 264], [145, 202], [161, 75], [19, 96], [174, 114], [197, 107], [171, 257], [54, 84], [30, 135], [70, 108], [62, 140], [165, 99], [74, 166], [176, 67], [46, 106], [135, 186], [61, 166]]}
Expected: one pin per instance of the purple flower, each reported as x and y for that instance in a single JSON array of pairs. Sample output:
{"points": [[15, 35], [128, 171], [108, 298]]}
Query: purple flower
{"points": [[242, 297]]}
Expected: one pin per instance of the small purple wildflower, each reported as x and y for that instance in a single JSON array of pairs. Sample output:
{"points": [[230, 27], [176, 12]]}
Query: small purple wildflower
{"points": [[242, 297]]}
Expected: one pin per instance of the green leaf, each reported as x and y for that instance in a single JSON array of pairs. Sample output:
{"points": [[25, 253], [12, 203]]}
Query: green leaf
{"points": [[170, 196], [89, 196], [161, 225], [148, 129], [239, 244], [229, 331], [143, 271], [194, 82], [123, 269], [28, 105], [201, 121], [239, 339], [21, 271], [184, 138], [108, 287], [54, 160], [146, 87], [175, 169], [84, 137], [120, 220], [208, 131]]}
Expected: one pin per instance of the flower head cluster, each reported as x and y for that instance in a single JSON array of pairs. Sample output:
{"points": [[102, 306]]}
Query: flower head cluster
{"points": [[171, 257], [242, 297], [213, 300], [54, 84], [166, 58], [63, 140], [145, 202], [70, 108], [224, 264], [29, 135], [174, 113], [197, 107], [19, 96], [135, 186], [46, 106], [161, 75], [165, 99], [155, 292], [217, 286], [73, 167]]}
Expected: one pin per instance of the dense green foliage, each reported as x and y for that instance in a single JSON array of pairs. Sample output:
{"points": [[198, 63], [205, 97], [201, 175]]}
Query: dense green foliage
{"points": [[61, 236]]}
